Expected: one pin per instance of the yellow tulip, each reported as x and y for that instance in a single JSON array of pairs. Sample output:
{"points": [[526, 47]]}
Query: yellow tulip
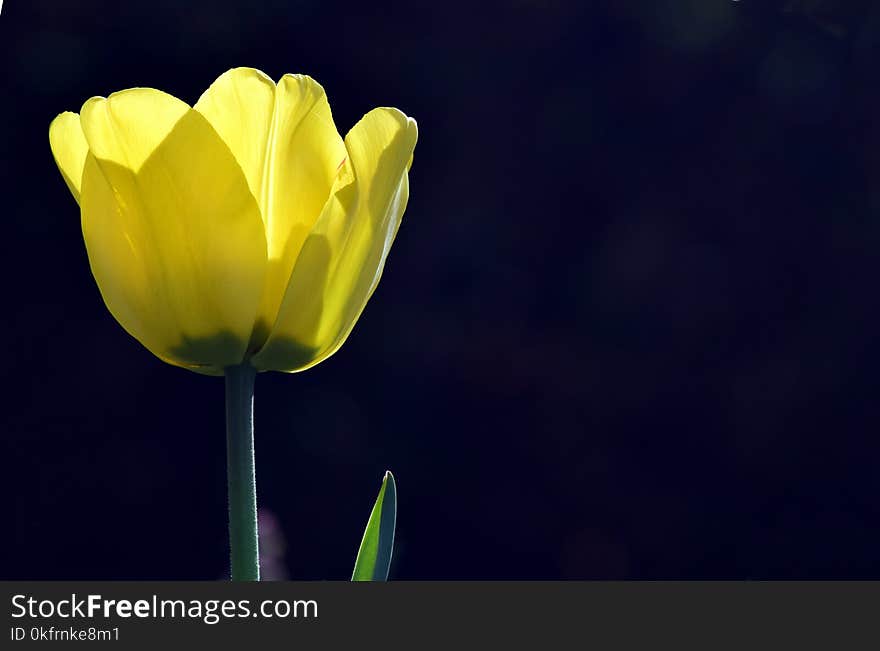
{"points": [[241, 229]]}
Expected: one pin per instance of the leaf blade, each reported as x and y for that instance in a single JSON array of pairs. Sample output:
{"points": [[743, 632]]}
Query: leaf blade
{"points": [[377, 545]]}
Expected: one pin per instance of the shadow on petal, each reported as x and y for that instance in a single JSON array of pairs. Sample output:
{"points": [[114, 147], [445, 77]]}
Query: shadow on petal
{"points": [[177, 247], [288, 350], [193, 351]]}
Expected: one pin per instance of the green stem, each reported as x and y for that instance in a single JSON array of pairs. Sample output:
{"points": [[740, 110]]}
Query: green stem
{"points": [[243, 540]]}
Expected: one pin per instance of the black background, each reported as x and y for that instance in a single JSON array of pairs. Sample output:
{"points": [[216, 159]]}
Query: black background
{"points": [[627, 330]]}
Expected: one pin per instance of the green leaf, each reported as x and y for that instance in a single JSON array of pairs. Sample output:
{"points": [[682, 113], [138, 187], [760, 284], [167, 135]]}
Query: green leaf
{"points": [[374, 555]]}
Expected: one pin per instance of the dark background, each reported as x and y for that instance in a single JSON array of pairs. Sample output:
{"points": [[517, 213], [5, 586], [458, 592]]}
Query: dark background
{"points": [[628, 328]]}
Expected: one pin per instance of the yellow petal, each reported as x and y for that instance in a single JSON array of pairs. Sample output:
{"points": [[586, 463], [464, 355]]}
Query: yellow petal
{"points": [[306, 154], [173, 233], [239, 105], [69, 148], [285, 141], [127, 127], [343, 257]]}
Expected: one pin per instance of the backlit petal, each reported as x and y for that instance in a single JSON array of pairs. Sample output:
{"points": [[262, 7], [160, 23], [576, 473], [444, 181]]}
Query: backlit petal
{"points": [[69, 147], [127, 127], [173, 233], [343, 257], [239, 105], [285, 140], [306, 152]]}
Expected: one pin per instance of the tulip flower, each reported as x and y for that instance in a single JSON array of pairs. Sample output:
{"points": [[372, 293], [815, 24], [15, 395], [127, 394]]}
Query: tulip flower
{"points": [[239, 235]]}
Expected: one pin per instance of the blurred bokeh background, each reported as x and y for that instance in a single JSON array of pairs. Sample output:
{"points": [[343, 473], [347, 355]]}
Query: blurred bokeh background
{"points": [[629, 327]]}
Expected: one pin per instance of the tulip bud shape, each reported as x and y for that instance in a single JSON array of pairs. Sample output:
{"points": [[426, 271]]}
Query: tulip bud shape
{"points": [[243, 229]]}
